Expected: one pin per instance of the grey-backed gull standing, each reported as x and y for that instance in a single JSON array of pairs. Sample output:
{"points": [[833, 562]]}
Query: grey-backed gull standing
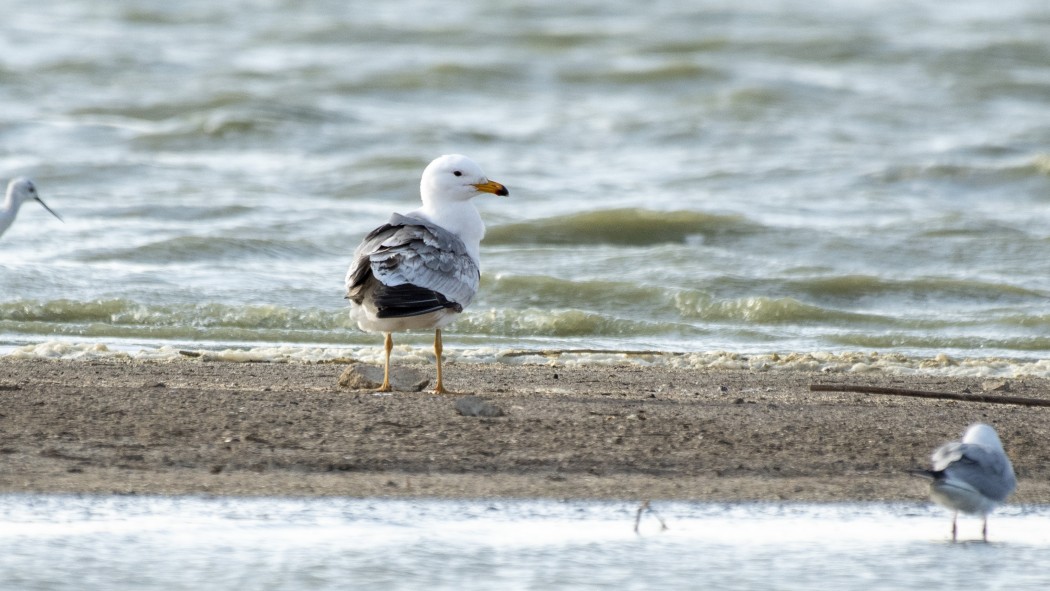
{"points": [[421, 269], [973, 475]]}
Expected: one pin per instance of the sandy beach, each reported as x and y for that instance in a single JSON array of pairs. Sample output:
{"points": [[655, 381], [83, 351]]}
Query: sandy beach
{"points": [[604, 432]]}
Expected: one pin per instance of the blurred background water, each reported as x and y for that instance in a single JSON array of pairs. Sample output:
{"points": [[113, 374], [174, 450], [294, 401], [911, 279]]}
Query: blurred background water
{"points": [[748, 176], [119, 543]]}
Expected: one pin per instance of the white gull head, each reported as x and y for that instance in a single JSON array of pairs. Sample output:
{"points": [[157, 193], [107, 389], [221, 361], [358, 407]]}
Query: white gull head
{"points": [[982, 434], [447, 187]]}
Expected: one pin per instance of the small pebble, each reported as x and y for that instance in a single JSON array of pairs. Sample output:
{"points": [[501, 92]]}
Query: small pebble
{"points": [[473, 406]]}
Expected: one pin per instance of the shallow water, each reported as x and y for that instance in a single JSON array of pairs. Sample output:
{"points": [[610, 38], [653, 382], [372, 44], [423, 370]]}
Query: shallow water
{"points": [[746, 176], [115, 543]]}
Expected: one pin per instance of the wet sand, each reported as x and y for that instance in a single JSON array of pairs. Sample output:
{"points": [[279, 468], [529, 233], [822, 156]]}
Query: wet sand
{"points": [[603, 432]]}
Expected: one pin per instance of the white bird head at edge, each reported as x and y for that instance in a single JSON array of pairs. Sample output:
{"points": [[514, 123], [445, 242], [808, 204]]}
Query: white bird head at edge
{"points": [[22, 189]]}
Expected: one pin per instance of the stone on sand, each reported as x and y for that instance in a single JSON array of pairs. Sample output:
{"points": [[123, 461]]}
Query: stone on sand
{"points": [[359, 376]]}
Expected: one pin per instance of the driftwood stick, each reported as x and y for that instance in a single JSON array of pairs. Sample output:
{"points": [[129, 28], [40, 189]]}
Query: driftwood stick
{"points": [[1019, 400]]}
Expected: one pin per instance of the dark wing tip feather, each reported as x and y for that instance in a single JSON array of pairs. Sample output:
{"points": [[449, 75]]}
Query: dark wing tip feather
{"points": [[409, 300]]}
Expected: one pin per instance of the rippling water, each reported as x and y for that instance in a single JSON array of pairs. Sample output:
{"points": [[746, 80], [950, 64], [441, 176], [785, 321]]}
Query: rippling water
{"points": [[747, 176], [122, 543]]}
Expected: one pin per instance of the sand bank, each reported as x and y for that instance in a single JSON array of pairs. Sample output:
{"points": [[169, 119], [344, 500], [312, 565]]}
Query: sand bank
{"points": [[622, 431]]}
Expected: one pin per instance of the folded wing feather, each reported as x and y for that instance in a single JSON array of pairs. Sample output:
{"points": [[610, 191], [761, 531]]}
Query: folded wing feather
{"points": [[412, 267]]}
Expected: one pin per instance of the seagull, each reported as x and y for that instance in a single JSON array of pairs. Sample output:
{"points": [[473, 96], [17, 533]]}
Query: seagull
{"points": [[973, 475], [421, 269], [18, 191]]}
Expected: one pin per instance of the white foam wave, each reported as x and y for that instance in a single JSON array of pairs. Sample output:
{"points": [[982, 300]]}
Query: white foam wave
{"points": [[848, 362]]}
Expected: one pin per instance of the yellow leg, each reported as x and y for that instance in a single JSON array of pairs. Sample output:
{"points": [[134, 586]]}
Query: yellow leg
{"points": [[389, 346], [440, 387]]}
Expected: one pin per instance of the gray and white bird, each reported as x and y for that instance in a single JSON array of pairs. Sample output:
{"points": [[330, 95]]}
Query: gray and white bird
{"points": [[973, 475], [421, 269], [19, 191]]}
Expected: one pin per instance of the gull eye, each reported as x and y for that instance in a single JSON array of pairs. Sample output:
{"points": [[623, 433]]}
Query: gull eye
{"points": [[457, 173]]}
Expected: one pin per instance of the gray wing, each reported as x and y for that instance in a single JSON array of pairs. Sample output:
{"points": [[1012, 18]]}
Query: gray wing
{"points": [[987, 470], [412, 267]]}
